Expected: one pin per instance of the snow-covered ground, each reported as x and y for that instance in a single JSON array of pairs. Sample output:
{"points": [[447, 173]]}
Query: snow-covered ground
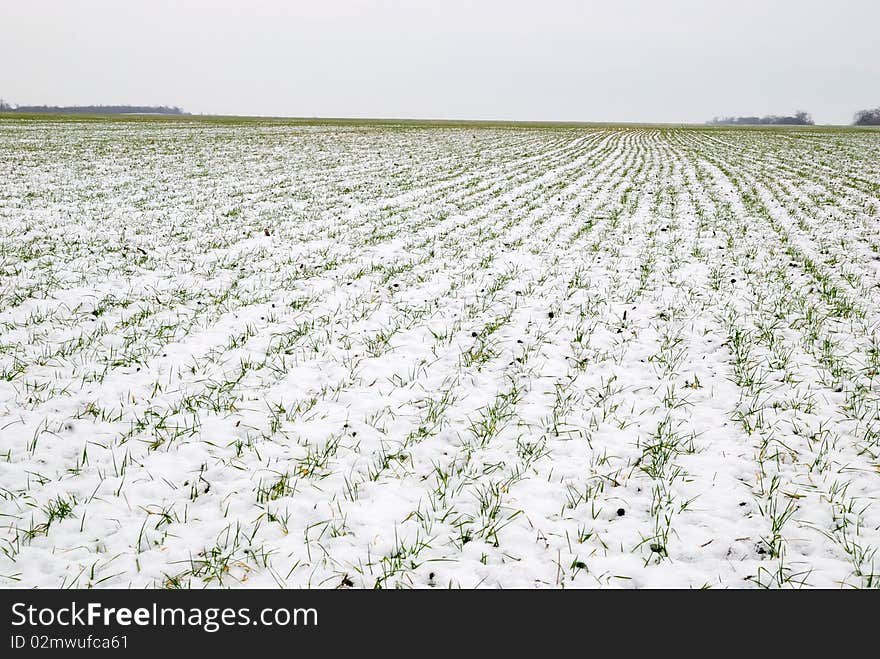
{"points": [[358, 356]]}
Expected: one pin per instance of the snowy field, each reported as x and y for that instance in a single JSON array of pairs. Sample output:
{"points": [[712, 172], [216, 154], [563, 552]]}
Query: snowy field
{"points": [[268, 354]]}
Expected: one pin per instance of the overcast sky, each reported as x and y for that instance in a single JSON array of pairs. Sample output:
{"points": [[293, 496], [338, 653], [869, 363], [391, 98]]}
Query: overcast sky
{"points": [[614, 60]]}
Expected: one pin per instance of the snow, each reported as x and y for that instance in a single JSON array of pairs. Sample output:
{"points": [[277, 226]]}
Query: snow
{"points": [[269, 355]]}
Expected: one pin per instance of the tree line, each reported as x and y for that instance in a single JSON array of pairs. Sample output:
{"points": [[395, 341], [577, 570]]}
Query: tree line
{"points": [[861, 118], [797, 119], [91, 109], [867, 118]]}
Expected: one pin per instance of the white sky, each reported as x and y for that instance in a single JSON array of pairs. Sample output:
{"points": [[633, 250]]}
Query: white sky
{"points": [[615, 60]]}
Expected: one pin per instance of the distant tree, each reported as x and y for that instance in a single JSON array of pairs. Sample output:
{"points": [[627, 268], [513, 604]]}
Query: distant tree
{"points": [[800, 118], [867, 118], [91, 109]]}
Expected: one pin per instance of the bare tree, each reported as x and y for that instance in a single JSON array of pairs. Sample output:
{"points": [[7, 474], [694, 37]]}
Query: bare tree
{"points": [[867, 118], [91, 109], [800, 118]]}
